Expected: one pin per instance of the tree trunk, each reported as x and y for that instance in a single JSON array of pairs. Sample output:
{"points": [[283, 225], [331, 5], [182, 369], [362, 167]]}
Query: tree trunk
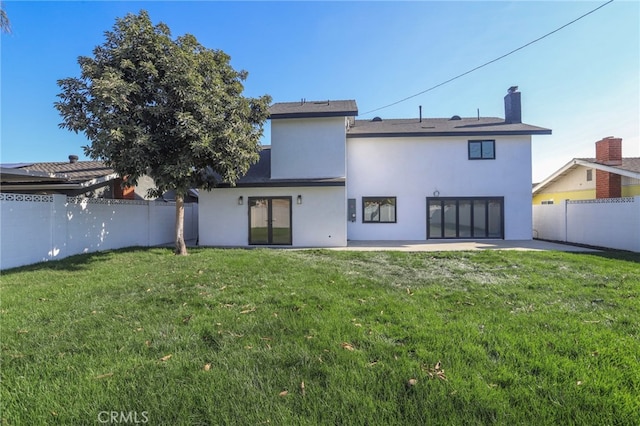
{"points": [[181, 247]]}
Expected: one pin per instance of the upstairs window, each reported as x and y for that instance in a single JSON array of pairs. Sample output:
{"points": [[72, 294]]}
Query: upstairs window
{"points": [[379, 209], [589, 175], [482, 150]]}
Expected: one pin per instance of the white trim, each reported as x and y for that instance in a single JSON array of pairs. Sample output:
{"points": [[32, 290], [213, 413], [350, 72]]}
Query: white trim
{"points": [[610, 169]]}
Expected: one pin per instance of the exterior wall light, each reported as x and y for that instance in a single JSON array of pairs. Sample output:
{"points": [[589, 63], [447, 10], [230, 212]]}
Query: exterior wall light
{"points": [[240, 200], [299, 199]]}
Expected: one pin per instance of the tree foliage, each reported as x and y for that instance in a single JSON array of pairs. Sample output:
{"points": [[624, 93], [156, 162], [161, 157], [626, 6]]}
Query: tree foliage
{"points": [[168, 108], [5, 24]]}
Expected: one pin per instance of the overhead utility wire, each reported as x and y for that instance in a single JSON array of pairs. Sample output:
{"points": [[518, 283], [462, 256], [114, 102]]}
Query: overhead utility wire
{"points": [[490, 62]]}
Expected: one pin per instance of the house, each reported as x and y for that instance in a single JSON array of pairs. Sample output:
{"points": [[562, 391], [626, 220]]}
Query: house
{"points": [[608, 175], [328, 178], [592, 201], [92, 179]]}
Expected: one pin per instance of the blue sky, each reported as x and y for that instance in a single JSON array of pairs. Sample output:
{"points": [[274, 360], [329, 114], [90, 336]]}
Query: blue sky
{"points": [[583, 82]]}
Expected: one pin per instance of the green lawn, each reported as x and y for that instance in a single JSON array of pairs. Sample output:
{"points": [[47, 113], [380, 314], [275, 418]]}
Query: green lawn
{"points": [[230, 336]]}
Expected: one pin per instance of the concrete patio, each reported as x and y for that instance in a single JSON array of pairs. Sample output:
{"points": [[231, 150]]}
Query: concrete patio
{"points": [[457, 245]]}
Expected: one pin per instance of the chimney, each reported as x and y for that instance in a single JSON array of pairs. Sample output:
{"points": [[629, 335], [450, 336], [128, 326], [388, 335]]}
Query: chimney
{"points": [[512, 108], [420, 112], [73, 159], [609, 153]]}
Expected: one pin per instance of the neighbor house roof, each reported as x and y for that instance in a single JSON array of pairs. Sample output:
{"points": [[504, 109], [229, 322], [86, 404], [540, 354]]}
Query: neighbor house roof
{"points": [[455, 126], [309, 109], [259, 175], [630, 167], [55, 175], [629, 164]]}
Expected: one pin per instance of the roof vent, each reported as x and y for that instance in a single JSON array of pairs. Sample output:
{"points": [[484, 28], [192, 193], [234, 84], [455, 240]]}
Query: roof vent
{"points": [[376, 119], [455, 117], [73, 159]]}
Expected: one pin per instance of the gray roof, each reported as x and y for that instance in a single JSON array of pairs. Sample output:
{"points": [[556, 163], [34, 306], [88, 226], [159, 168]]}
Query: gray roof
{"points": [[259, 175], [55, 178], [80, 171], [631, 164], [309, 109], [76, 172], [483, 126]]}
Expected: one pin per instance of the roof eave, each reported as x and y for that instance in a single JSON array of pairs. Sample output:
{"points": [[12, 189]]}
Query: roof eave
{"points": [[328, 114], [610, 169], [92, 183], [441, 134], [560, 172], [40, 186], [31, 175], [284, 183]]}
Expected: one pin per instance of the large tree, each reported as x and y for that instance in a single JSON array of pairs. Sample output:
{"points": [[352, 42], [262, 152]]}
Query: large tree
{"points": [[168, 108]]}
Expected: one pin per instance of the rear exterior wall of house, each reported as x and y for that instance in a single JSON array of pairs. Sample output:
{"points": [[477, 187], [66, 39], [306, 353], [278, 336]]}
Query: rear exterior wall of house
{"points": [[411, 170]]}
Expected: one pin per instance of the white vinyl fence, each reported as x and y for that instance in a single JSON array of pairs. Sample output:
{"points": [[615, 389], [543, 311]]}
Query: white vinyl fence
{"points": [[36, 228], [610, 222]]}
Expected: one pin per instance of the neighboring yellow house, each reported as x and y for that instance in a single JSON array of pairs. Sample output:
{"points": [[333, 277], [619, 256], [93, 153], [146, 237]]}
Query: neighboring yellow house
{"points": [[606, 176]]}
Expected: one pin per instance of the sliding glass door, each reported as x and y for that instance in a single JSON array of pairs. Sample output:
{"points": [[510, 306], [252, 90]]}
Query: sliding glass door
{"points": [[465, 217]]}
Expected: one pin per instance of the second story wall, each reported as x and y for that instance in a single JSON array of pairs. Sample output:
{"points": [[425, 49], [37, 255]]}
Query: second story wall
{"points": [[412, 169], [306, 148]]}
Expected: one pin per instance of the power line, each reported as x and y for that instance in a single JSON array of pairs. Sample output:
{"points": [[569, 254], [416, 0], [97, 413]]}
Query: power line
{"points": [[490, 62]]}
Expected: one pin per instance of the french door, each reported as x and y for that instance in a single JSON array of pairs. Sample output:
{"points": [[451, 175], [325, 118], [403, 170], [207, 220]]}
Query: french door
{"points": [[465, 217], [270, 220]]}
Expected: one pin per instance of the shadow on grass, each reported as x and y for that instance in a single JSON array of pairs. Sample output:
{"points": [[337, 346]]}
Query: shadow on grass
{"points": [[84, 262], [626, 256], [81, 262]]}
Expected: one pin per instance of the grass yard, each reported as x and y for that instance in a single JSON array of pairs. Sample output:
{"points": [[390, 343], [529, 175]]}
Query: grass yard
{"points": [[286, 337]]}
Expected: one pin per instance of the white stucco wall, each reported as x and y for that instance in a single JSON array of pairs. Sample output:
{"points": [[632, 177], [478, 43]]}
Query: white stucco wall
{"points": [[303, 148], [320, 221], [411, 169]]}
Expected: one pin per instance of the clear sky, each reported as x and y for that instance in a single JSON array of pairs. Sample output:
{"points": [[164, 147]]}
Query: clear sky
{"points": [[583, 82]]}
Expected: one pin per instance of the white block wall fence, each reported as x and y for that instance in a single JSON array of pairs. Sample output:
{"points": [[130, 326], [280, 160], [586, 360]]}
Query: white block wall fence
{"points": [[36, 228], [608, 222]]}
